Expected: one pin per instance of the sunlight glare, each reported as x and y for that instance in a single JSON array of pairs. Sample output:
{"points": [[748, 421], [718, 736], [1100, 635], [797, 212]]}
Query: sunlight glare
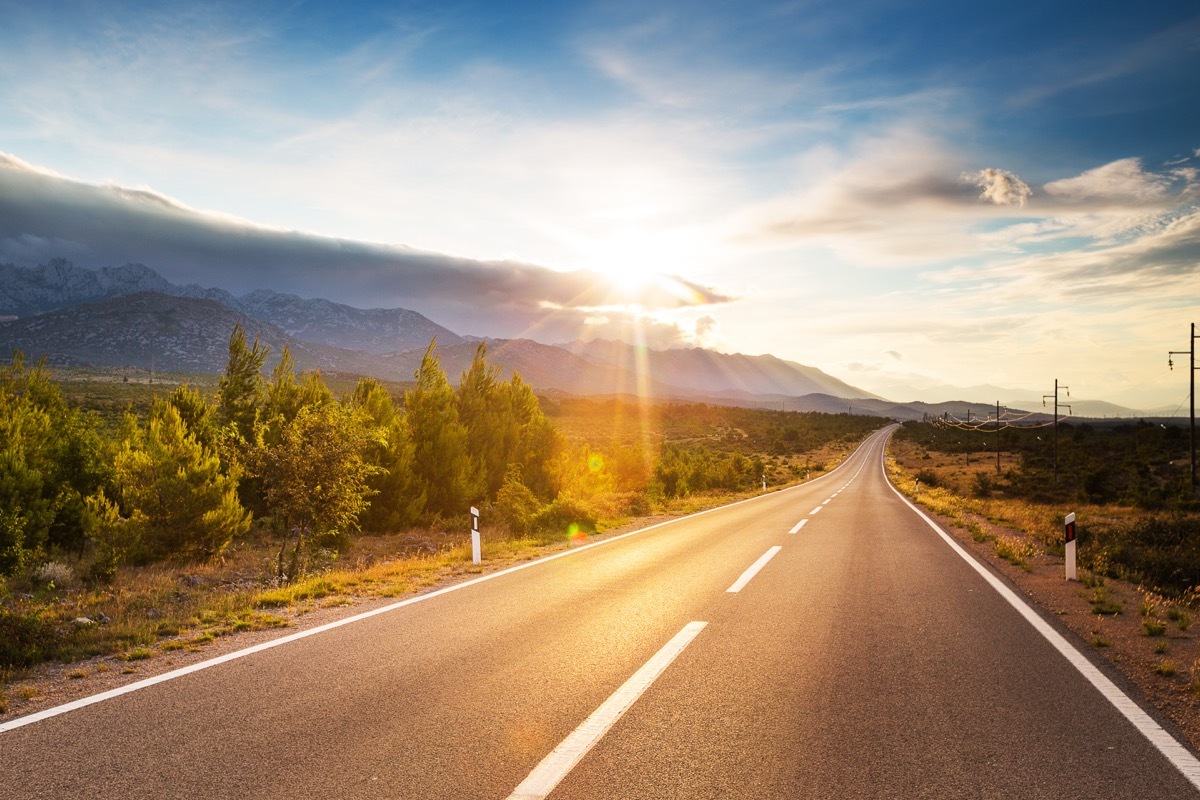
{"points": [[632, 259]]}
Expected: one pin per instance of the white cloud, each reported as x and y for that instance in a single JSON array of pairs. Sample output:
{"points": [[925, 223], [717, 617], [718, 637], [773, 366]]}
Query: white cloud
{"points": [[1000, 187], [1122, 181]]}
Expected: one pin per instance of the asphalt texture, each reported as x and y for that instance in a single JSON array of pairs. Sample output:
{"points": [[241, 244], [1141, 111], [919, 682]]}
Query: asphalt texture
{"points": [[866, 659]]}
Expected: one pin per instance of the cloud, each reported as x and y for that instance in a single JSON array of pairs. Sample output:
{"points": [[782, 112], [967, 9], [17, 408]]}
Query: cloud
{"points": [[1000, 186], [43, 216], [1122, 181], [1159, 258], [902, 199]]}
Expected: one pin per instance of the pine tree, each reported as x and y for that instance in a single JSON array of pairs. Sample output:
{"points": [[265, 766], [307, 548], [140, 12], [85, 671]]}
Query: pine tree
{"points": [[536, 442], [442, 462], [240, 389], [197, 413], [397, 501], [176, 495], [505, 426], [483, 409]]}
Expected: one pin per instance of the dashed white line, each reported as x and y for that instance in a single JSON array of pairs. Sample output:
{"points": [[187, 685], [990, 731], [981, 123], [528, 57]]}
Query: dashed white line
{"points": [[562, 759], [798, 526], [753, 570], [815, 510]]}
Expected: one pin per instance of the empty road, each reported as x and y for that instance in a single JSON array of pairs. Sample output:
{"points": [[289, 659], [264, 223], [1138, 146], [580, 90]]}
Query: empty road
{"points": [[819, 642]]}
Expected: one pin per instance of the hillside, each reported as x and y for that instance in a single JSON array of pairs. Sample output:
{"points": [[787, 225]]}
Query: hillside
{"points": [[158, 332], [700, 371]]}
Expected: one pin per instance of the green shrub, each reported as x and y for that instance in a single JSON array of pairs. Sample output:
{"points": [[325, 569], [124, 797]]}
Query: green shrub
{"points": [[565, 516], [516, 506], [27, 638]]}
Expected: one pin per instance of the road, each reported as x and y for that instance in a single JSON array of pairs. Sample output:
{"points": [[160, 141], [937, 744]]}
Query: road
{"points": [[817, 642]]}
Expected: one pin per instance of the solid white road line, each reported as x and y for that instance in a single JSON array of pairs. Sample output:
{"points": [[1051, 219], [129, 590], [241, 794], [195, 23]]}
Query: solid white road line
{"points": [[1176, 753], [562, 759], [741, 582], [798, 525]]}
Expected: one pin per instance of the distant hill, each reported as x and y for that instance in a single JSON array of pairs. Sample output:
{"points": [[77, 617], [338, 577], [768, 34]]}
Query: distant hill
{"points": [[542, 366], [59, 284], [159, 332], [697, 370]]}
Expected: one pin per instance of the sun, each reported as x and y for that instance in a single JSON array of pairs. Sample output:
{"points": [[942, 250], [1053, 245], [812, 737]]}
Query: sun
{"points": [[633, 260]]}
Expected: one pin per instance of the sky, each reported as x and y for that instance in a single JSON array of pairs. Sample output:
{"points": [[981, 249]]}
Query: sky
{"points": [[928, 200]]}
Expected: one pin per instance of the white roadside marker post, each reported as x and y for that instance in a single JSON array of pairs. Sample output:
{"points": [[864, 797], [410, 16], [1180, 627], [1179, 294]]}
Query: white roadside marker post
{"points": [[1069, 550], [764, 480], [475, 555]]}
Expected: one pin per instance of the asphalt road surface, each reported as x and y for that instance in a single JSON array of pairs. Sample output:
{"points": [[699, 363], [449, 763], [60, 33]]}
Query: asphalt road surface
{"points": [[819, 642]]}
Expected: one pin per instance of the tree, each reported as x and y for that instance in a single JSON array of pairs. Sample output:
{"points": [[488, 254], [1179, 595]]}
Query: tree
{"points": [[316, 479], [51, 457], [177, 500], [281, 396], [396, 501], [515, 505], [505, 426], [442, 462], [240, 389], [536, 443], [197, 414], [483, 411]]}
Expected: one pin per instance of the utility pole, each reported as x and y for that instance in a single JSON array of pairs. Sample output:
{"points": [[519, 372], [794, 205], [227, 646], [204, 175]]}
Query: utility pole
{"points": [[968, 437], [1191, 354], [1057, 405], [997, 437]]}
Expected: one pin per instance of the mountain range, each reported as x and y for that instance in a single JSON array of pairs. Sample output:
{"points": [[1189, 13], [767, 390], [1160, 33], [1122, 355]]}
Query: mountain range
{"points": [[132, 316]]}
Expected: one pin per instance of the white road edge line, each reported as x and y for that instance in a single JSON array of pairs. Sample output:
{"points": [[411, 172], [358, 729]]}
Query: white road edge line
{"points": [[83, 702], [1176, 753], [562, 759], [798, 526], [741, 582]]}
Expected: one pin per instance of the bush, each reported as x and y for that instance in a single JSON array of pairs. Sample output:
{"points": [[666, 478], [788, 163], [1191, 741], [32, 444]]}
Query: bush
{"points": [[928, 478], [566, 516], [1163, 552], [516, 506], [26, 639]]}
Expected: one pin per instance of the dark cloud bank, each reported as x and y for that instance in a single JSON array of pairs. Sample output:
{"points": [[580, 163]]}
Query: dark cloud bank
{"points": [[43, 216]]}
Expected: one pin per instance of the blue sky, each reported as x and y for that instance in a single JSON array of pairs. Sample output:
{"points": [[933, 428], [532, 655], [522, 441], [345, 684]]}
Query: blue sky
{"points": [[906, 195]]}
